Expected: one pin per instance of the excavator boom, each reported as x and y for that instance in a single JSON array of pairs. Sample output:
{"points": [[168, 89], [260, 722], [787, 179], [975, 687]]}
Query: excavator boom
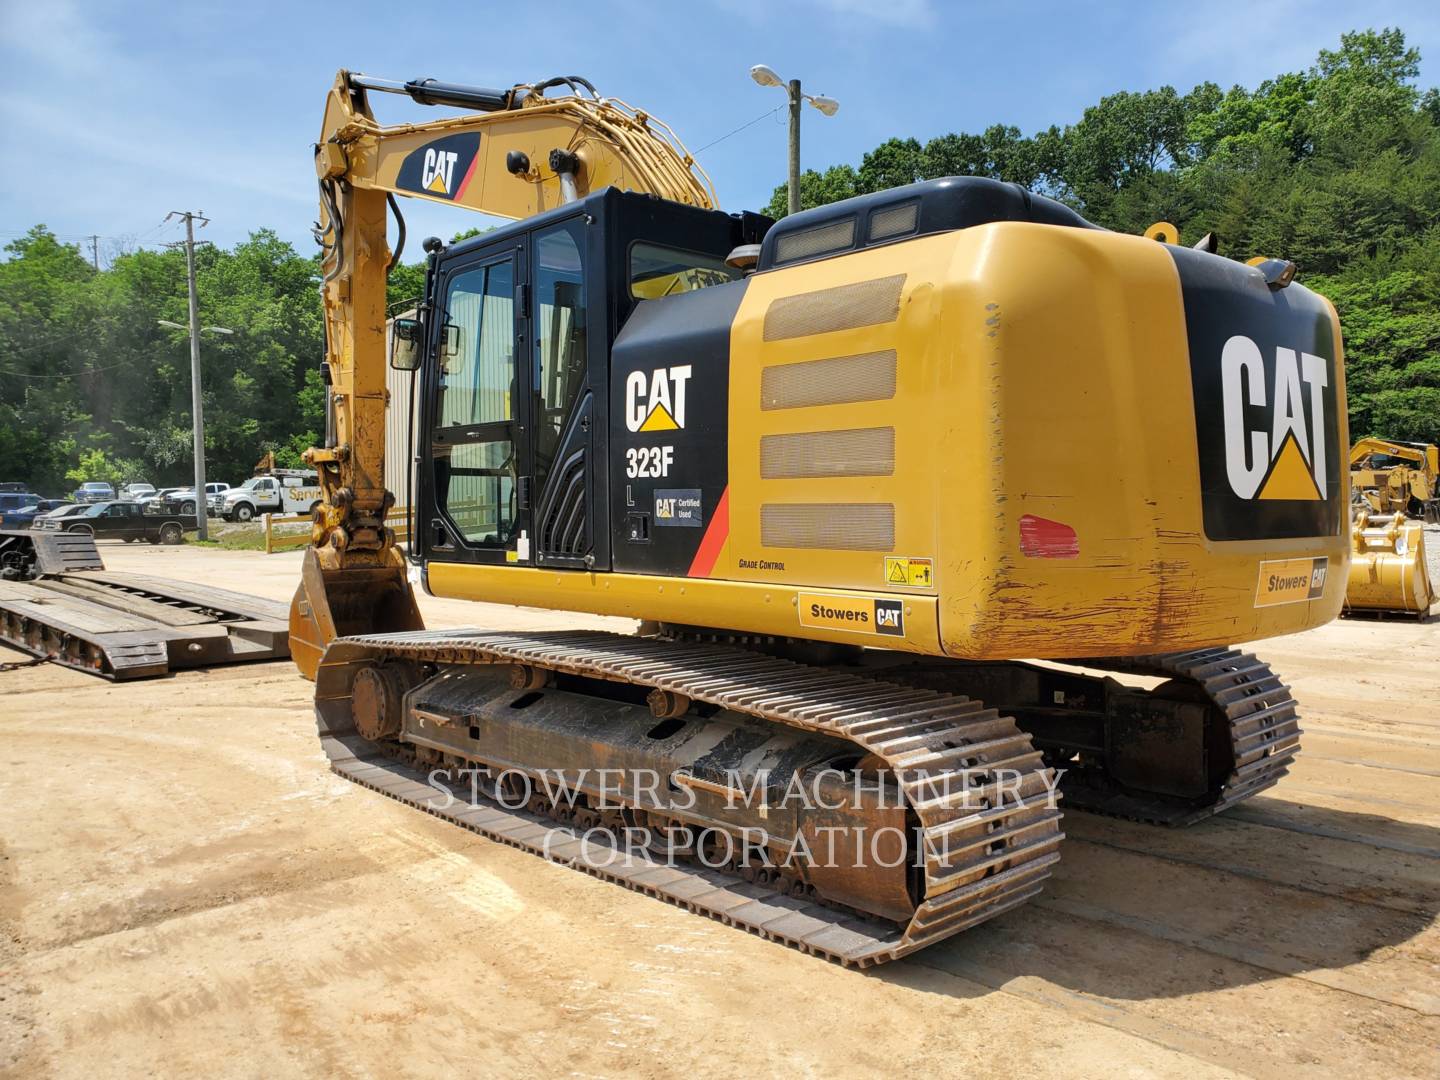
{"points": [[516, 153]]}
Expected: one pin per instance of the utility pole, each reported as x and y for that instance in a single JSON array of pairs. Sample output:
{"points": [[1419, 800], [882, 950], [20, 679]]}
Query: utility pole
{"points": [[196, 406], [95, 251], [765, 76], [794, 145]]}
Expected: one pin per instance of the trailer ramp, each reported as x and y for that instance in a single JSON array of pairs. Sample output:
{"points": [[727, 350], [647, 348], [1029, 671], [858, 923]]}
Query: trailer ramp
{"points": [[58, 602]]}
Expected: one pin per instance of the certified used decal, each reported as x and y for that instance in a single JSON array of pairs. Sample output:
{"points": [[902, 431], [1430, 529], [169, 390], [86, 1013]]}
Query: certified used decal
{"points": [[856, 614], [679, 506], [1289, 581]]}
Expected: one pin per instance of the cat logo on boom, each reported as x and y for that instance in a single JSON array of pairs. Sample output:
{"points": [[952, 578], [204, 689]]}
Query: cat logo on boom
{"points": [[437, 172], [655, 400], [442, 168], [1286, 459]]}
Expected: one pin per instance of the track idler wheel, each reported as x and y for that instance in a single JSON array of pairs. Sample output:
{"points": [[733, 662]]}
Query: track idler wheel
{"points": [[378, 702]]}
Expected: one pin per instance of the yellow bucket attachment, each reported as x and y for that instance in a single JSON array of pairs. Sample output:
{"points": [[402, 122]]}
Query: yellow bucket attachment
{"points": [[1387, 569], [336, 602]]}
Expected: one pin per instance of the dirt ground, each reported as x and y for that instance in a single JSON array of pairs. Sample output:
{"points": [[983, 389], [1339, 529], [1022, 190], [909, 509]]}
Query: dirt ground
{"points": [[187, 890]]}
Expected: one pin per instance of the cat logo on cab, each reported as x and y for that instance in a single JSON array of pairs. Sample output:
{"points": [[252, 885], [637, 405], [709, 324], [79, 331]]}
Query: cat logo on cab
{"points": [[655, 400]]}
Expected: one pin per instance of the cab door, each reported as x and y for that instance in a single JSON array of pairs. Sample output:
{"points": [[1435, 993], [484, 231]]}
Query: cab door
{"points": [[121, 519], [475, 475], [565, 360]]}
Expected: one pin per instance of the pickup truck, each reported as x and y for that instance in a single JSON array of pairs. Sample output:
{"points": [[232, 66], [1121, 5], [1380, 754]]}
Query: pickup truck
{"points": [[96, 491], [283, 491], [12, 502], [126, 521], [18, 511], [183, 499]]}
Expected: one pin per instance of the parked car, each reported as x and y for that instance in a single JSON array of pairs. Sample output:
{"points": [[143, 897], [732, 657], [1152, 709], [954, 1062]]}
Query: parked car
{"points": [[184, 498], [13, 500], [134, 492], [94, 491], [22, 514], [163, 495], [51, 518], [127, 521]]}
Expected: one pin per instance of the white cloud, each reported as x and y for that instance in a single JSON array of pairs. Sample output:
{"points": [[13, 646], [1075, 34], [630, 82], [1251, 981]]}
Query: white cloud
{"points": [[1240, 41], [56, 37], [174, 150], [917, 14], [909, 14]]}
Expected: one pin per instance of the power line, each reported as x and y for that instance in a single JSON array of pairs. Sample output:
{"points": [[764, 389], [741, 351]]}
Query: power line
{"points": [[741, 128], [91, 238], [68, 374]]}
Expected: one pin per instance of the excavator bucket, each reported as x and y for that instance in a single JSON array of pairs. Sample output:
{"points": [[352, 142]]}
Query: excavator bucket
{"points": [[335, 602], [1387, 570]]}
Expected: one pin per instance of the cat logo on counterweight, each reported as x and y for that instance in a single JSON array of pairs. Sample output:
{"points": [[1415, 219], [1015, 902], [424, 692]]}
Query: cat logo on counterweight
{"points": [[1267, 384], [1285, 460]]}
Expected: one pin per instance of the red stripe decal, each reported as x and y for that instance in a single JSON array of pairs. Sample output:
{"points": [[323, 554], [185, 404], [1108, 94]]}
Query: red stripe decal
{"points": [[1041, 538], [716, 533], [465, 181]]}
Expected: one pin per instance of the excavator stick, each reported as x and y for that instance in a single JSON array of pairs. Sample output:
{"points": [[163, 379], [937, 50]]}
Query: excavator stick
{"points": [[336, 601], [1388, 574]]}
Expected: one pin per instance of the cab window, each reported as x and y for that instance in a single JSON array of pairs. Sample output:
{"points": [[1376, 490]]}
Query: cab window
{"points": [[560, 335], [477, 356], [657, 271], [473, 444]]}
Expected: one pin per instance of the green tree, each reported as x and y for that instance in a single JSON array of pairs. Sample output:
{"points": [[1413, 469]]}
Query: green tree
{"points": [[1336, 167]]}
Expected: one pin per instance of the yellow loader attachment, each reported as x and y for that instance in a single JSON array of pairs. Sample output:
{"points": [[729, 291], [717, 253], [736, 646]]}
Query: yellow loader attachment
{"points": [[1387, 570], [334, 601]]}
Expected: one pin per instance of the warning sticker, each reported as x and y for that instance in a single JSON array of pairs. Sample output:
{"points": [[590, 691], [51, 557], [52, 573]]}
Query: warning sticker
{"points": [[909, 573], [857, 614], [1288, 581]]}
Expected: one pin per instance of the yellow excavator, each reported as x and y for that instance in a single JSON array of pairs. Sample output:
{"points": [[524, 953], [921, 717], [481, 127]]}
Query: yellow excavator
{"points": [[1394, 477], [1392, 482], [843, 470]]}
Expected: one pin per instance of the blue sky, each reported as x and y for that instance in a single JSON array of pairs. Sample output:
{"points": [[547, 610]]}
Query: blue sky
{"points": [[112, 114]]}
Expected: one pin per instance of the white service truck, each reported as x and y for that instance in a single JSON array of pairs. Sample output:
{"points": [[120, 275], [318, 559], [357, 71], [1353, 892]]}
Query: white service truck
{"points": [[283, 491]]}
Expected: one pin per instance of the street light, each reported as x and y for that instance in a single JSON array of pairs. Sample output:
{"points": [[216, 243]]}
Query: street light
{"points": [[201, 500], [765, 75], [203, 329]]}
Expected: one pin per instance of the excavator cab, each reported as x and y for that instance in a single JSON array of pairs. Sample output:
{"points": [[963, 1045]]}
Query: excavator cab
{"points": [[514, 371]]}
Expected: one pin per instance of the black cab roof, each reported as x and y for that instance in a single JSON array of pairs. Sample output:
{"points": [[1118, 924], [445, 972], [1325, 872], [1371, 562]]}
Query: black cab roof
{"points": [[931, 206]]}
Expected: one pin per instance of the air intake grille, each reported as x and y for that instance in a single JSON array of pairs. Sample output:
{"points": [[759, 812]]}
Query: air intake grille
{"points": [[816, 241], [844, 307], [801, 454], [895, 221], [839, 526], [837, 381]]}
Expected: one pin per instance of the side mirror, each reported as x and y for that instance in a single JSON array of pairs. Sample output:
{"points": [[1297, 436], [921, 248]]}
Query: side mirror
{"points": [[405, 337], [449, 341]]}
